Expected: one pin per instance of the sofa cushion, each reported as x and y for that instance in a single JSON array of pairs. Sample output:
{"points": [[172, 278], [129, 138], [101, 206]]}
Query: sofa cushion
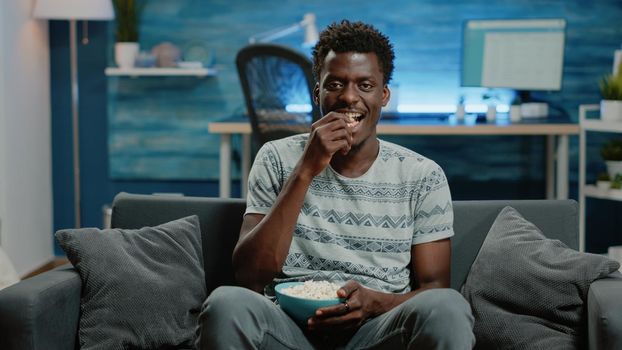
{"points": [[140, 288], [527, 291]]}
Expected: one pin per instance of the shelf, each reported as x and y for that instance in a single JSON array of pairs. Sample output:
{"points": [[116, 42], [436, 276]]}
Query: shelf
{"points": [[135, 72], [595, 192], [593, 124], [600, 125]]}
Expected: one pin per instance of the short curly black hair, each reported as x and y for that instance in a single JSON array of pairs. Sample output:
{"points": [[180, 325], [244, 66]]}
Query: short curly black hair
{"points": [[349, 36]]}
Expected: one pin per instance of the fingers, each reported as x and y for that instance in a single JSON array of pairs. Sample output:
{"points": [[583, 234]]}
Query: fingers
{"points": [[338, 309], [335, 136], [348, 288], [329, 135], [348, 314], [333, 122], [343, 315], [330, 118], [346, 307], [332, 144], [351, 302]]}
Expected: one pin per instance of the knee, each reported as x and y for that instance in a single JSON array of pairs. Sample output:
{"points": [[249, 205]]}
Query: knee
{"points": [[434, 311], [228, 300], [442, 303], [228, 315], [443, 307]]}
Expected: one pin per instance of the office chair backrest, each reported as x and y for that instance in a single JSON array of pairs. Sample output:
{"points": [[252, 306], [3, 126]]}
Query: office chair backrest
{"points": [[278, 84]]}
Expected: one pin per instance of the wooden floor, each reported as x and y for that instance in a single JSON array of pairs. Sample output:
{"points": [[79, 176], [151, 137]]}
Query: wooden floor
{"points": [[47, 266]]}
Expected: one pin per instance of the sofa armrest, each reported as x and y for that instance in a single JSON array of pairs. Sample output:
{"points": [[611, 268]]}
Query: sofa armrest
{"points": [[604, 304], [41, 312]]}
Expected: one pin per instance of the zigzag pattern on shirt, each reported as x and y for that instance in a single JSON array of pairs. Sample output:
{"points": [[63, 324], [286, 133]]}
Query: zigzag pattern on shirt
{"points": [[358, 219], [266, 156], [315, 263], [433, 229], [436, 210], [375, 245], [393, 151], [433, 181], [298, 141], [361, 190], [264, 194]]}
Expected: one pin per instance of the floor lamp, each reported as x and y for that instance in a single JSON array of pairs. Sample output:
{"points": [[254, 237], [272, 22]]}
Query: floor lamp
{"points": [[74, 10]]}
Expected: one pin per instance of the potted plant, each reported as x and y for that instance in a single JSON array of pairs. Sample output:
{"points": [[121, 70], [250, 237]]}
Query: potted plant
{"points": [[611, 152], [611, 92], [603, 181], [616, 185], [126, 47]]}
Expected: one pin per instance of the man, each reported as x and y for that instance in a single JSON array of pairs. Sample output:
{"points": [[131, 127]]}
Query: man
{"points": [[338, 204]]}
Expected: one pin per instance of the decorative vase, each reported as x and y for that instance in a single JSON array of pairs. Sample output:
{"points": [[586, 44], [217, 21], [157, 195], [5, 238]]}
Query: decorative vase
{"points": [[614, 167], [603, 185], [166, 54], [125, 54], [611, 110]]}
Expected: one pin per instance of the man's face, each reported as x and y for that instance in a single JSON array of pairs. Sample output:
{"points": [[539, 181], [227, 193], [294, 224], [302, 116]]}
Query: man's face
{"points": [[352, 83]]}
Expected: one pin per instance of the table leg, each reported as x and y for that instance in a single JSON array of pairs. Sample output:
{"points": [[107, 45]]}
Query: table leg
{"points": [[550, 166], [225, 166], [246, 163], [562, 167]]}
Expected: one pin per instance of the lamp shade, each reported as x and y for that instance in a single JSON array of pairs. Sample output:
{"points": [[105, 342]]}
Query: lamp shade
{"points": [[74, 9]]}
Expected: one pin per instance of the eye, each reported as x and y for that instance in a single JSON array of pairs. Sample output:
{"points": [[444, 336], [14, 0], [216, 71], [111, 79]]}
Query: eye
{"points": [[333, 85], [366, 86]]}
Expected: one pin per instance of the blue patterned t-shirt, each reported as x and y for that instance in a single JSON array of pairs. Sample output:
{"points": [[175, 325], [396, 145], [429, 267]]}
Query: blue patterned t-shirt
{"points": [[357, 228]]}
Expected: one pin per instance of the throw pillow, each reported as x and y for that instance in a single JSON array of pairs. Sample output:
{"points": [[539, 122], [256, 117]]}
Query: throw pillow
{"points": [[527, 291], [140, 288]]}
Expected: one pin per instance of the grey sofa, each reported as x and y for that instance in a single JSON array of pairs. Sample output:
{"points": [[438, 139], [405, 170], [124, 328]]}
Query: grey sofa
{"points": [[43, 312]]}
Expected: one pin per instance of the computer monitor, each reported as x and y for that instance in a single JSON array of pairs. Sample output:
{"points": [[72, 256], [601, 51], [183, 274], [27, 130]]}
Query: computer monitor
{"points": [[520, 54]]}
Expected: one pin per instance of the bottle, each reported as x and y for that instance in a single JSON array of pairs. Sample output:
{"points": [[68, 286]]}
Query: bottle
{"points": [[460, 110], [491, 113], [515, 109]]}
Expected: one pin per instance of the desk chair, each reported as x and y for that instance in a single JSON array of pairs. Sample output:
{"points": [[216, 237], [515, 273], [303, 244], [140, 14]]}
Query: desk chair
{"points": [[278, 84]]}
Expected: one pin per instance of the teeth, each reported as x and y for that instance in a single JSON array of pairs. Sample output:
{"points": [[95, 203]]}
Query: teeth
{"points": [[353, 117]]}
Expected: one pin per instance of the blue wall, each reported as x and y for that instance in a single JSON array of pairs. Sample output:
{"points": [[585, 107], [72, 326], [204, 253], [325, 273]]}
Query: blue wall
{"points": [[170, 115], [427, 38]]}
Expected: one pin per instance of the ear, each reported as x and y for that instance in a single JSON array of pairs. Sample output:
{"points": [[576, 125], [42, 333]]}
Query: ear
{"points": [[316, 94], [386, 95]]}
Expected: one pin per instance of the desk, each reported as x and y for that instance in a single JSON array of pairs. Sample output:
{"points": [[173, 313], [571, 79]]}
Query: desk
{"points": [[556, 152]]}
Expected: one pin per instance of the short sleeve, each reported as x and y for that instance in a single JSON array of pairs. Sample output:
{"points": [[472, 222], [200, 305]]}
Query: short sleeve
{"points": [[434, 214], [265, 180]]}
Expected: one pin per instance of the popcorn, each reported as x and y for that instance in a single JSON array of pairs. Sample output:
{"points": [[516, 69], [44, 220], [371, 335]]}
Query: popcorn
{"points": [[317, 290]]}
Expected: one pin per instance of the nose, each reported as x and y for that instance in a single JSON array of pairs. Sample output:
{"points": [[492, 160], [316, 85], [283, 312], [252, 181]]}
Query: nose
{"points": [[350, 94]]}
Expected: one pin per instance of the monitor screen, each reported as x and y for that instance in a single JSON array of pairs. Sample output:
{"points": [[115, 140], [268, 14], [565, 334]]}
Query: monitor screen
{"points": [[520, 54]]}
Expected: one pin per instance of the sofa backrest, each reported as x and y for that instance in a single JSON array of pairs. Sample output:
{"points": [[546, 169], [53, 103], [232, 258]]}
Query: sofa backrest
{"points": [[221, 220], [557, 219]]}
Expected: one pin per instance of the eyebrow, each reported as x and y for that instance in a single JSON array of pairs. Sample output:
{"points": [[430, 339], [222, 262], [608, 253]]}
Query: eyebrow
{"points": [[334, 77]]}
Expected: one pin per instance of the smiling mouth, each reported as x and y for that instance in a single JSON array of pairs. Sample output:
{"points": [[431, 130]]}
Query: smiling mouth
{"points": [[354, 118]]}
